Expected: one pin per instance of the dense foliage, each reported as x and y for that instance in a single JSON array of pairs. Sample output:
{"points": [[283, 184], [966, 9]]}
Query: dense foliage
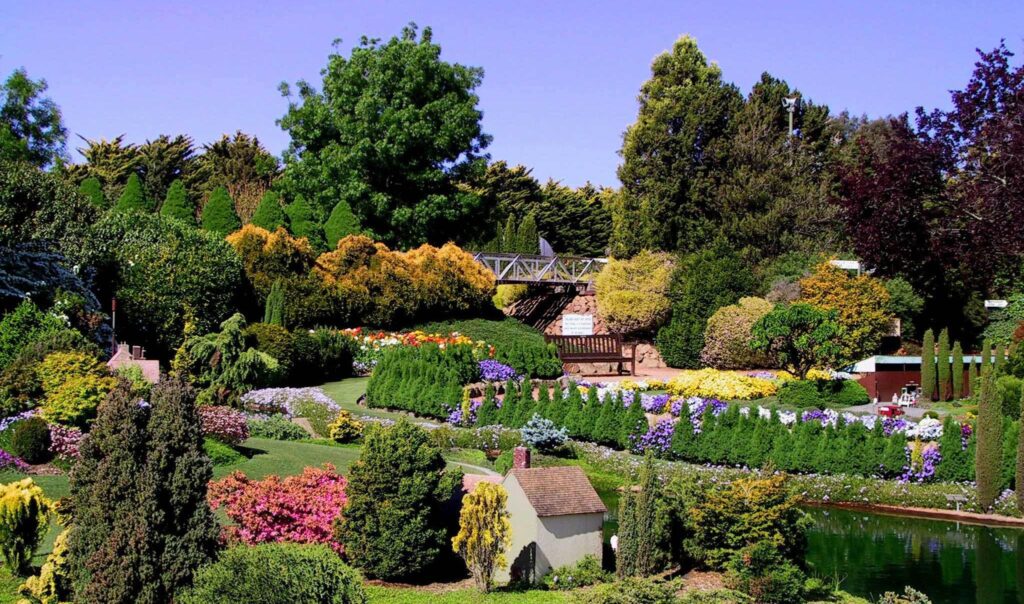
{"points": [[632, 295], [728, 334], [484, 532], [422, 379], [24, 520], [277, 573], [400, 186], [404, 539], [141, 524]]}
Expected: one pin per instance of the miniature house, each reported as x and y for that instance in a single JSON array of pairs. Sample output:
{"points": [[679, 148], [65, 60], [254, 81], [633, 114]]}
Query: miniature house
{"points": [[556, 517], [135, 355]]}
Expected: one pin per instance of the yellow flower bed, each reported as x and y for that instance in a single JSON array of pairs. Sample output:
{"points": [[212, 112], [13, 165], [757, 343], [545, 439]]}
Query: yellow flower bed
{"points": [[724, 385]]}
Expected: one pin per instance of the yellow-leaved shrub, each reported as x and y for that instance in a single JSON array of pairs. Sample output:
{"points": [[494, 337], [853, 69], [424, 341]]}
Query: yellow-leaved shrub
{"points": [[723, 385], [632, 295]]}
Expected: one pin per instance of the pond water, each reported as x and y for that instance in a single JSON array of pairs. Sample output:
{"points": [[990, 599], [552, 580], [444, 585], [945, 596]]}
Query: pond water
{"points": [[952, 563]]}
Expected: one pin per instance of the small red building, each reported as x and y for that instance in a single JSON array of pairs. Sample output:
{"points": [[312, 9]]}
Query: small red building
{"points": [[883, 376]]}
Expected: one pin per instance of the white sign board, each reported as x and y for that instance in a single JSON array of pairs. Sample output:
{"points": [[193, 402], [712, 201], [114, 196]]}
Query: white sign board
{"points": [[577, 325]]}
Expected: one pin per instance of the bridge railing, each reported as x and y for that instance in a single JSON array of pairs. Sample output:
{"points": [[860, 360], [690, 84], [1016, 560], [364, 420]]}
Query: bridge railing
{"points": [[530, 269]]}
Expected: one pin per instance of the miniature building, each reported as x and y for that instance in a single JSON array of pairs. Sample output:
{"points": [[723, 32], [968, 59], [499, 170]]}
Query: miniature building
{"points": [[135, 355], [882, 376], [556, 516]]}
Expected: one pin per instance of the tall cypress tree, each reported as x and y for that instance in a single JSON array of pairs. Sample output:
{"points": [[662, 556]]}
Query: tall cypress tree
{"points": [[928, 377], [177, 204], [93, 191], [269, 214], [141, 522], [986, 356], [273, 312], [638, 554], [132, 198], [972, 377], [988, 457], [341, 223], [528, 239], [219, 215], [958, 371], [1019, 477], [945, 384], [998, 357]]}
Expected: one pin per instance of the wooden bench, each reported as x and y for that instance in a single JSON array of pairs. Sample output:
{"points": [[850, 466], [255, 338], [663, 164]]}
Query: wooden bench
{"points": [[593, 349]]}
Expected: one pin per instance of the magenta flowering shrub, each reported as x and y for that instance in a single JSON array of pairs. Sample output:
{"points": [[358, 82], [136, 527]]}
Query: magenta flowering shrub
{"points": [[298, 509], [224, 424], [64, 442]]}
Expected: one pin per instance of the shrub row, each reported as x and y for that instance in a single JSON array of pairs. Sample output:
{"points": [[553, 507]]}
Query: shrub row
{"points": [[823, 393], [423, 379]]}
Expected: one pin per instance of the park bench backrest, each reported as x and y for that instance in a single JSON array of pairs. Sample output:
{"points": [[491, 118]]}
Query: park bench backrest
{"points": [[602, 347]]}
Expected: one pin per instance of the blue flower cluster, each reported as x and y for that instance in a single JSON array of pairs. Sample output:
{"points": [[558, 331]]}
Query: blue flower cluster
{"points": [[493, 371]]}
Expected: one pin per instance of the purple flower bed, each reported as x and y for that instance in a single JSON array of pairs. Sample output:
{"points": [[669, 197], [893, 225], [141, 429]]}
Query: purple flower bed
{"points": [[493, 371], [891, 425], [930, 457], [286, 400], [654, 403], [9, 461], [658, 438], [224, 424], [455, 415], [10, 420]]}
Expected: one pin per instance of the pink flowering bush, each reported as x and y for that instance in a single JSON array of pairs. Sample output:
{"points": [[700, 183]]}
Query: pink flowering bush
{"points": [[298, 509], [64, 442], [224, 424]]}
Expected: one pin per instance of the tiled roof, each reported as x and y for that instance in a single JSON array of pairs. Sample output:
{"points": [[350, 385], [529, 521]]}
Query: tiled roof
{"points": [[559, 491]]}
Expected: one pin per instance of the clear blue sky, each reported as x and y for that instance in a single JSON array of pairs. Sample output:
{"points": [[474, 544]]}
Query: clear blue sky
{"points": [[561, 78]]}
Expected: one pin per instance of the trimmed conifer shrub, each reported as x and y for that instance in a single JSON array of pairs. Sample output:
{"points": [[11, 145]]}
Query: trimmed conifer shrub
{"points": [[177, 204], [1019, 475], [958, 371], [407, 537], [269, 214], [426, 380], [972, 377], [302, 222], [93, 191], [998, 357], [928, 377], [341, 223], [945, 383], [988, 457], [133, 198], [219, 215], [986, 356]]}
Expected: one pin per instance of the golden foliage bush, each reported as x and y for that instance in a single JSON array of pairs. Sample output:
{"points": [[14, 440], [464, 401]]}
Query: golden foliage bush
{"points": [[860, 301], [632, 295], [727, 336], [723, 385]]}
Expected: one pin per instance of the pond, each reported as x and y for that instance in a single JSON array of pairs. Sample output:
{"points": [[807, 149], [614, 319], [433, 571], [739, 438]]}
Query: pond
{"points": [[951, 562]]}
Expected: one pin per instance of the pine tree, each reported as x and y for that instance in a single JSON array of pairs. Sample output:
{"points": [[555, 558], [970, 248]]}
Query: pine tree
{"points": [[895, 456], [132, 198], [177, 205], [273, 312], [303, 223], [219, 215], [269, 213], [93, 191], [988, 455], [591, 414], [544, 400], [638, 554], [528, 241], [574, 416], [141, 522], [958, 371], [341, 223], [683, 440], [945, 384], [487, 414], [928, 377]]}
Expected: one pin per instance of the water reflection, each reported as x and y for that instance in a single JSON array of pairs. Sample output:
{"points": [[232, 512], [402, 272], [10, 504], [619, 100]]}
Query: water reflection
{"points": [[951, 562]]}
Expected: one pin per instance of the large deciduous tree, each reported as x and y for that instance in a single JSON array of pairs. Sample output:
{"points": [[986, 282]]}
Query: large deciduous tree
{"points": [[30, 123], [389, 131], [676, 149], [801, 336], [240, 164]]}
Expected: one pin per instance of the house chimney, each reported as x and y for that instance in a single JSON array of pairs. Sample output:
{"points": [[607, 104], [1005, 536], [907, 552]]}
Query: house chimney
{"points": [[521, 458], [136, 352]]}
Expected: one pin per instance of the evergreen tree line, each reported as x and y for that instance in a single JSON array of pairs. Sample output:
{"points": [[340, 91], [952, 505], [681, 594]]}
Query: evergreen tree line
{"points": [[944, 374]]}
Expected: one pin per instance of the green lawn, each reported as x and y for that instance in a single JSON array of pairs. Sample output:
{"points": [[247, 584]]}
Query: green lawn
{"points": [[347, 392], [397, 595]]}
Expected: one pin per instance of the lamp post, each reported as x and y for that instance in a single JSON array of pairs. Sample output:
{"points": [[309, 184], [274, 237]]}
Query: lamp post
{"points": [[790, 103]]}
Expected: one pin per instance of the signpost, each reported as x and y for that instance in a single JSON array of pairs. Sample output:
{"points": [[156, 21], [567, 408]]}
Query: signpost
{"points": [[577, 325]]}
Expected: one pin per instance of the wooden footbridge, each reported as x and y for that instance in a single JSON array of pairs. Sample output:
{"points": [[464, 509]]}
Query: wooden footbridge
{"points": [[526, 269]]}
